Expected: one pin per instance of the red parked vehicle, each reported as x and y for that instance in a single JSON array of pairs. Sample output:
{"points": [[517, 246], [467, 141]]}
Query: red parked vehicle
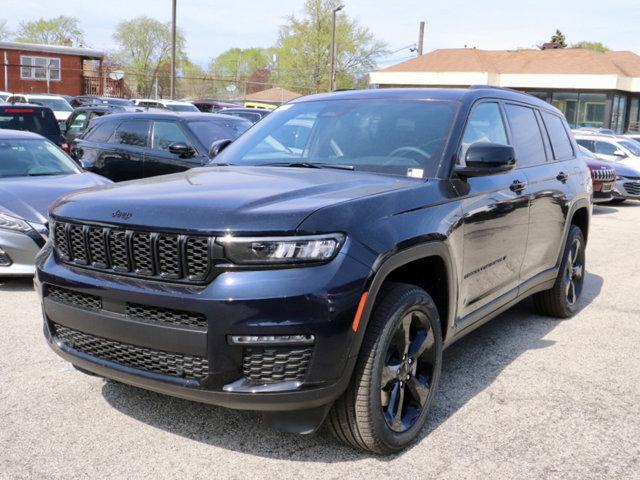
{"points": [[212, 105], [603, 176]]}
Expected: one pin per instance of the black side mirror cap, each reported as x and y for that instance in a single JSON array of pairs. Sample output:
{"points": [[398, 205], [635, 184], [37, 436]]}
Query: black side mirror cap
{"points": [[218, 146], [484, 158], [181, 149]]}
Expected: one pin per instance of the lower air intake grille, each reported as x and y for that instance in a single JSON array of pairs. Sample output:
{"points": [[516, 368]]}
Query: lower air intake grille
{"points": [[174, 364], [166, 315], [77, 299], [272, 365]]}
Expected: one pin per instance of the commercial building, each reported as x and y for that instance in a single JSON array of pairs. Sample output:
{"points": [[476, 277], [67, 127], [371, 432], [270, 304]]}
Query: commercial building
{"points": [[592, 89], [59, 69]]}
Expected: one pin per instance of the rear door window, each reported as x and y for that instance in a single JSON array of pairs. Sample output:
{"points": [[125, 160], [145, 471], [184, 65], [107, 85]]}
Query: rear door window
{"points": [[132, 132], [78, 122], [526, 135], [588, 144], [560, 142]]}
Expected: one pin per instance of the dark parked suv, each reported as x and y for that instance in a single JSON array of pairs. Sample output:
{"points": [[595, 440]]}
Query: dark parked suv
{"points": [[127, 146], [325, 280]]}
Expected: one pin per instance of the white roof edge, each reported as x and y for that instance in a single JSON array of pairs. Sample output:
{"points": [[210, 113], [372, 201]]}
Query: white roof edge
{"points": [[60, 49]]}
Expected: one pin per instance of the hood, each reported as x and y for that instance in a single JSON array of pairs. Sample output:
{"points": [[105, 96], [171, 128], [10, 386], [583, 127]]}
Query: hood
{"points": [[217, 199], [597, 164], [631, 165], [31, 197]]}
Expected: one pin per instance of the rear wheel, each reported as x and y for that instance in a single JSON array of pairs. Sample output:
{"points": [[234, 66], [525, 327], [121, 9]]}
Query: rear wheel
{"points": [[396, 374], [562, 299]]}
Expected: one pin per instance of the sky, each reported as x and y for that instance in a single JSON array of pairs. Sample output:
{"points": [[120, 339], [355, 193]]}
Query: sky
{"points": [[213, 26]]}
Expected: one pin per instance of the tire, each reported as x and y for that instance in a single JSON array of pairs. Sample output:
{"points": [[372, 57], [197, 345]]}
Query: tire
{"points": [[360, 417], [562, 299], [617, 200]]}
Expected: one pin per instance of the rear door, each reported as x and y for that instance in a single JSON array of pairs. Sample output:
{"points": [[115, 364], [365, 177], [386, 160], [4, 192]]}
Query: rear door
{"points": [[496, 221], [159, 160], [122, 158]]}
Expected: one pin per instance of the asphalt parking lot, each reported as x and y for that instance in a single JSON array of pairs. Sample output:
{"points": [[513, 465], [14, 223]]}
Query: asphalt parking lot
{"points": [[522, 397]]}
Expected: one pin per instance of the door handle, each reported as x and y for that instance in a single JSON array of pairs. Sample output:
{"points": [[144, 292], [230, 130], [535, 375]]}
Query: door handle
{"points": [[562, 177], [518, 186]]}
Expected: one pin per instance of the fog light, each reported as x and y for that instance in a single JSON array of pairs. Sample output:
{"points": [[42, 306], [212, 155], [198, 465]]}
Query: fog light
{"points": [[5, 259], [272, 339]]}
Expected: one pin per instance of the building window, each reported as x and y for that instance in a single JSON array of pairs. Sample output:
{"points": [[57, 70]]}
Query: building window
{"points": [[581, 109], [618, 113], [35, 68]]}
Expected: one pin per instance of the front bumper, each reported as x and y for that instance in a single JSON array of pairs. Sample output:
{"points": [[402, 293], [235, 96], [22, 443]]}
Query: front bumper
{"points": [[20, 249], [319, 300], [627, 188]]}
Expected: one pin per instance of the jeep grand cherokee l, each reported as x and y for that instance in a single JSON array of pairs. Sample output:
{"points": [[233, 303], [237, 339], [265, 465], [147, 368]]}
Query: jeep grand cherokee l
{"points": [[323, 280]]}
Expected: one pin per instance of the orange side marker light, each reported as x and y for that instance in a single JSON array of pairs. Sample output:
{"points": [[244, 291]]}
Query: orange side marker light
{"points": [[356, 319]]}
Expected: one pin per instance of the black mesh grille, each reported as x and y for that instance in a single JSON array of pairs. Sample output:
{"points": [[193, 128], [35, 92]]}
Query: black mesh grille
{"points": [[77, 299], [174, 364], [160, 256], [271, 365], [166, 315]]}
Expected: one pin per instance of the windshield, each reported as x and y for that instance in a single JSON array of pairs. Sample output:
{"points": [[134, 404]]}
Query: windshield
{"points": [[391, 136], [117, 102], [209, 131], [55, 104], [633, 147], [182, 108], [33, 157]]}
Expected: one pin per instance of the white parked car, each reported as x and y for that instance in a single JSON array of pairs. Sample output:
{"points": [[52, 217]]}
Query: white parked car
{"points": [[61, 108], [611, 148], [627, 184], [173, 105], [4, 96]]}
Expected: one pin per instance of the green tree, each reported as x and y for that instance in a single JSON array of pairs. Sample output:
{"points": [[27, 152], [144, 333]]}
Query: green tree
{"points": [[597, 46], [194, 81], [239, 64], [54, 31], [144, 49], [5, 33], [558, 39], [304, 45]]}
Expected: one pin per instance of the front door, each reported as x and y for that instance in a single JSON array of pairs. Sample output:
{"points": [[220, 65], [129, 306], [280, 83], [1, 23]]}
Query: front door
{"points": [[496, 221], [158, 159]]}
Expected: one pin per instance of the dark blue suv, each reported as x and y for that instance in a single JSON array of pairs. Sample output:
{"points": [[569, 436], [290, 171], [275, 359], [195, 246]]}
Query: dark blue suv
{"points": [[319, 265]]}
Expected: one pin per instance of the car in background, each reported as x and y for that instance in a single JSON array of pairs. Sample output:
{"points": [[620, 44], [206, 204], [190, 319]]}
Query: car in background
{"points": [[82, 117], [635, 136], [612, 148], [211, 105], [32, 118], [82, 100], [627, 184], [127, 146], [33, 173], [173, 105], [603, 176], [4, 96], [252, 114], [57, 103]]}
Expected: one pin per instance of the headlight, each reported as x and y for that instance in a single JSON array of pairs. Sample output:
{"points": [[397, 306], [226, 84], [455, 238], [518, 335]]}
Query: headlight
{"points": [[14, 223], [278, 250]]}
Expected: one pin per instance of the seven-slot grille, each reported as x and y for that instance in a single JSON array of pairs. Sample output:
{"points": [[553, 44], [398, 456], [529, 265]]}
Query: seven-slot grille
{"points": [[161, 256], [604, 175], [277, 364], [174, 364]]}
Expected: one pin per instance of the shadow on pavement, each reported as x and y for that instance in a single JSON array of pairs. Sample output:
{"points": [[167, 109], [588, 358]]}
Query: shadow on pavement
{"points": [[19, 284], [604, 210], [470, 366]]}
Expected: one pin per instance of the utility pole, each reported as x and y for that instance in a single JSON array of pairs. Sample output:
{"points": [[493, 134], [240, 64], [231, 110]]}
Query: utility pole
{"points": [[173, 50], [334, 50], [421, 39]]}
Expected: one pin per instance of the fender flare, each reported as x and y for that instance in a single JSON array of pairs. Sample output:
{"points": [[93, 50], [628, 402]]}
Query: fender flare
{"points": [[578, 204]]}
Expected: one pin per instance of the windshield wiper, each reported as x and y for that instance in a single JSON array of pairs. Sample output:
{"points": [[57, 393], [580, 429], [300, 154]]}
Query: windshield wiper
{"points": [[44, 174], [337, 166]]}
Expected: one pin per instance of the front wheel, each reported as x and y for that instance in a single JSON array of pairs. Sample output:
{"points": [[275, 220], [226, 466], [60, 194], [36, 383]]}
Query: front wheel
{"points": [[396, 374], [562, 299]]}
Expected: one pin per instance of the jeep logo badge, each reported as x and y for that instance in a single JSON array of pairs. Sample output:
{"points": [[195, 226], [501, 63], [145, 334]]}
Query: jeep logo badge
{"points": [[122, 215]]}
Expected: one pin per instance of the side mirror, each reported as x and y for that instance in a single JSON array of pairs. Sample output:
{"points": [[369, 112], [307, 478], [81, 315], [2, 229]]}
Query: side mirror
{"points": [[218, 146], [620, 153], [483, 158], [181, 149]]}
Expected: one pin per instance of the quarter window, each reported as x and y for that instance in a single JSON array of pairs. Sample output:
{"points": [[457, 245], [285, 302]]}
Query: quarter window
{"points": [[527, 138], [166, 133], [132, 132], [485, 125], [37, 68], [558, 135], [78, 122]]}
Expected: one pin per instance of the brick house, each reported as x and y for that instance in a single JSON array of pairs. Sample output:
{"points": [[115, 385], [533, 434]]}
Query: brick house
{"points": [[57, 69]]}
